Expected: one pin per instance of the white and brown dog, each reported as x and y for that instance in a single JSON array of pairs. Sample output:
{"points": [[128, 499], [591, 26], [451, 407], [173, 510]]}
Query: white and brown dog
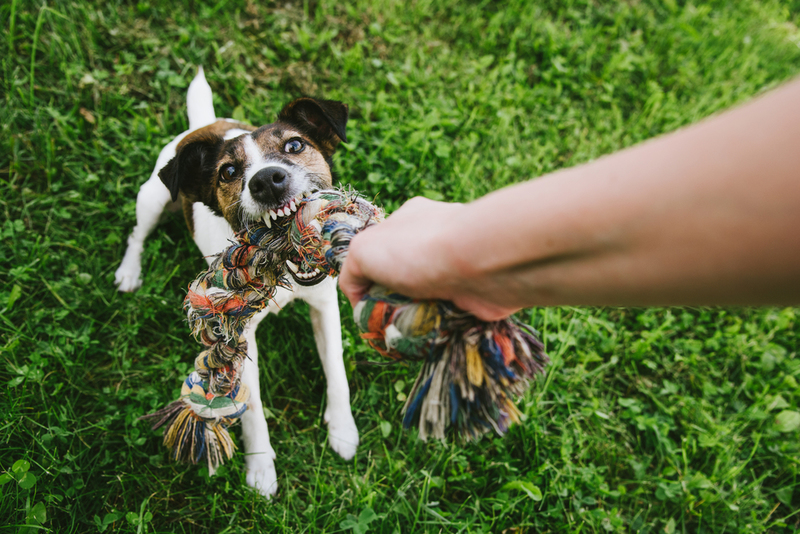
{"points": [[224, 175]]}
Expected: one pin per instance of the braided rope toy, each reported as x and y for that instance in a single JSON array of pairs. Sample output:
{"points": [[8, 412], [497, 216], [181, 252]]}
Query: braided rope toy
{"points": [[471, 369]]}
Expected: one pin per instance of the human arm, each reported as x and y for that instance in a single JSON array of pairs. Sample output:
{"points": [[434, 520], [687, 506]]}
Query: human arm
{"points": [[709, 214]]}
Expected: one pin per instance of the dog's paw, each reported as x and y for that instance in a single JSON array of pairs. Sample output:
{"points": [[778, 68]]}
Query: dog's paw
{"points": [[263, 478], [128, 279], [342, 433]]}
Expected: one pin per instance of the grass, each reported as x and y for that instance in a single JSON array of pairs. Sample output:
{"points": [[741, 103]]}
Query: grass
{"points": [[649, 420]]}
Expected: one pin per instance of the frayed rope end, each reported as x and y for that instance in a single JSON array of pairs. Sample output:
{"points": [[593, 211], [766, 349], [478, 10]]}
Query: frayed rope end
{"points": [[472, 370]]}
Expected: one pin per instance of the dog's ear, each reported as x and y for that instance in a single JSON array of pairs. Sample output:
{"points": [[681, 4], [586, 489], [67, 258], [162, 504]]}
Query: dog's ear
{"points": [[322, 120], [190, 166], [194, 163]]}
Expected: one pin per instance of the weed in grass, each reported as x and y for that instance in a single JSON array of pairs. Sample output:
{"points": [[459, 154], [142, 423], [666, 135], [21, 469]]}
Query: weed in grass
{"points": [[649, 420]]}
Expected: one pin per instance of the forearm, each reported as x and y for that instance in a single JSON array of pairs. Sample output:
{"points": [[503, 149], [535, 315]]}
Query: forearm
{"points": [[706, 215]]}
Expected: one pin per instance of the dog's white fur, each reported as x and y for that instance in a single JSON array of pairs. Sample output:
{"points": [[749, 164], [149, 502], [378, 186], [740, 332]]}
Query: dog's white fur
{"points": [[212, 235]]}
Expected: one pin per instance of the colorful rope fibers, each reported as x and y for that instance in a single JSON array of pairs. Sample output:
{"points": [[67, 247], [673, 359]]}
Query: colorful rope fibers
{"points": [[471, 369]]}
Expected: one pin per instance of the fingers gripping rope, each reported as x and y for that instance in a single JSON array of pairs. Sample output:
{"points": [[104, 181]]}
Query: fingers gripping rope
{"points": [[471, 369]]}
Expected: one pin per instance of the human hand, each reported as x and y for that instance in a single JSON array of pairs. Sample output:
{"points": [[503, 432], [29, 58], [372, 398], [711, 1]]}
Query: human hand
{"points": [[414, 252]]}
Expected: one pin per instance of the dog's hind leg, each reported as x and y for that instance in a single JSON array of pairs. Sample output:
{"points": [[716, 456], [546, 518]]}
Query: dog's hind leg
{"points": [[151, 201], [327, 325], [260, 457]]}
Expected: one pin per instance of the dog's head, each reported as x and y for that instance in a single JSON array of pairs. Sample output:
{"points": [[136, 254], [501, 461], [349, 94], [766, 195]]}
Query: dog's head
{"points": [[259, 175]]}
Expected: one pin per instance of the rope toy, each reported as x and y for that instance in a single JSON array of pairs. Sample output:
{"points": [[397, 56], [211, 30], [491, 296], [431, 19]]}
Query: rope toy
{"points": [[471, 369]]}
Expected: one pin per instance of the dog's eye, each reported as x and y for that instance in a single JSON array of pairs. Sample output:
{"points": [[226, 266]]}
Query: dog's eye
{"points": [[227, 172], [293, 146]]}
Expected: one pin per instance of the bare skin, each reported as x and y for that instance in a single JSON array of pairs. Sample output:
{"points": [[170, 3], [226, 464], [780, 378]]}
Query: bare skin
{"points": [[706, 215]]}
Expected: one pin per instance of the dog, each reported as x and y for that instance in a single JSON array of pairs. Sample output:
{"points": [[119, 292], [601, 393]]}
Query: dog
{"points": [[224, 175]]}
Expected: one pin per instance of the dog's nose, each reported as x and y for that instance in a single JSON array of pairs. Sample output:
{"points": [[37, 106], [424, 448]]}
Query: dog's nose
{"points": [[269, 184]]}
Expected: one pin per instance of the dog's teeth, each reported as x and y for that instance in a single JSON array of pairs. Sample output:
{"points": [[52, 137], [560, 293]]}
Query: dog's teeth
{"points": [[267, 221], [306, 194], [316, 271], [273, 215], [292, 205], [292, 266], [280, 212]]}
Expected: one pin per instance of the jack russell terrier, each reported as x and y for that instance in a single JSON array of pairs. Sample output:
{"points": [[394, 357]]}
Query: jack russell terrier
{"points": [[224, 175]]}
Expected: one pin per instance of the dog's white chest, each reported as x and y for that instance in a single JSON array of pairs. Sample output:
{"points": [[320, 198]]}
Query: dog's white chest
{"points": [[211, 232]]}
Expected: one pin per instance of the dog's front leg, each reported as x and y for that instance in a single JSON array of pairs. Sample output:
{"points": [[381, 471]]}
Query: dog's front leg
{"points": [[327, 325], [260, 457]]}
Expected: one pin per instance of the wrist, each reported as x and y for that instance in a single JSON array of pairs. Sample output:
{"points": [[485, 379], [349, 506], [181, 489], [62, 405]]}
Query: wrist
{"points": [[458, 246]]}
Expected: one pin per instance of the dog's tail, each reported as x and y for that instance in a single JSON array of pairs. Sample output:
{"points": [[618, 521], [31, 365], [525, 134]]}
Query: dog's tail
{"points": [[199, 103]]}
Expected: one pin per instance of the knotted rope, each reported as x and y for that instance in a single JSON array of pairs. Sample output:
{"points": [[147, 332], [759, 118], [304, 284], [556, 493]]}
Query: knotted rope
{"points": [[471, 369]]}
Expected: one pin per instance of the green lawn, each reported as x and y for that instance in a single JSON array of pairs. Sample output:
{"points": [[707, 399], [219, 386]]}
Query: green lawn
{"points": [[649, 420]]}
